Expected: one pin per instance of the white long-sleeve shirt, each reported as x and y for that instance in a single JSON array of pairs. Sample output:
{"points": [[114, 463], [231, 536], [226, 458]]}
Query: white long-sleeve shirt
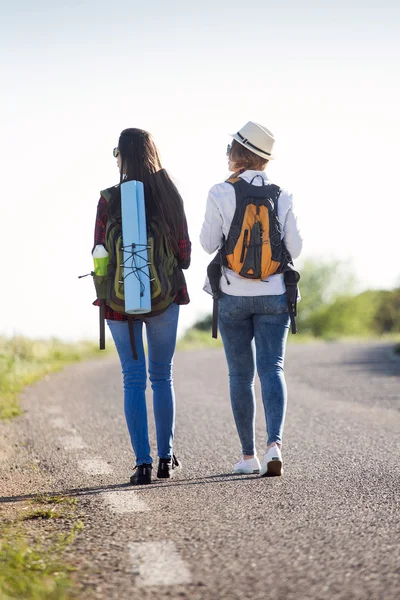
{"points": [[221, 205]]}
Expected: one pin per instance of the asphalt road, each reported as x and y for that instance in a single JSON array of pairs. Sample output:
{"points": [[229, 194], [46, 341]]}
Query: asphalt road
{"points": [[328, 529]]}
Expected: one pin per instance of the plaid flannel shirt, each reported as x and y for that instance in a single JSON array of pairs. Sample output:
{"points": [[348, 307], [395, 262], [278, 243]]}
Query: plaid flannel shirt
{"points": [[183, 257]]}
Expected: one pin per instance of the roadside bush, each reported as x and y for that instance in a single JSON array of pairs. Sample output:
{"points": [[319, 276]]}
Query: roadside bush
{"points": [[330, 308], [370, 313]]}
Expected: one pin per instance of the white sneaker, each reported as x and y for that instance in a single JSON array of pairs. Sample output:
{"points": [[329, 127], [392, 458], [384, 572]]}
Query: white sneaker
{"points": [[249, 466], [272, 463]]}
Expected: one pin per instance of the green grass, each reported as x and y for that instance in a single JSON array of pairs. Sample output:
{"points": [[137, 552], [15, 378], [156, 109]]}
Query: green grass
{"points": [[43, 499], [50, 507], [34, 570], [24, 361], [31, 559], [194, 338], [41, 513]]}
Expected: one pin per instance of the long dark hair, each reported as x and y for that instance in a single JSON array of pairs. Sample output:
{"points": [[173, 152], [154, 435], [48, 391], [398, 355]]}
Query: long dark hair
{"points": [[140, 161]]}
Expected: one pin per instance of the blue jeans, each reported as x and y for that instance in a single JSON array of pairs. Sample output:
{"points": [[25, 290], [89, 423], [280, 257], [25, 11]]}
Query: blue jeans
{"points": [[161, 340], [265, 320]]}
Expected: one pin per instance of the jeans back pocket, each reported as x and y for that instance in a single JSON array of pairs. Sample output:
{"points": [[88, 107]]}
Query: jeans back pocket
{"points": [[275, 305], [230, 306]]}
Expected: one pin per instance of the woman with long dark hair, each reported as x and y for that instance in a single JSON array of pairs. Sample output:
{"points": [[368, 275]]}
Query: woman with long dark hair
{"points": [[138, 159]]}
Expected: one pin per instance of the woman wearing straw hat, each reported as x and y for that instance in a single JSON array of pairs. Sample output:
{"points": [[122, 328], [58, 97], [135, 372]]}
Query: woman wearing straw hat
{"points": [[253, 313]]}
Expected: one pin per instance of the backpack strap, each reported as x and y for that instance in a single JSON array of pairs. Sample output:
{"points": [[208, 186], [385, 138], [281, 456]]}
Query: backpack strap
{"points": [[291, 279], [276, 202], [132, 337], [234, 178], [102, 325], [106, 194], [214, 272]]}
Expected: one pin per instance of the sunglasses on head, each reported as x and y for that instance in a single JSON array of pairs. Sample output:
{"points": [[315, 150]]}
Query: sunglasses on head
{"points": [[115, 152], [228, 149]]}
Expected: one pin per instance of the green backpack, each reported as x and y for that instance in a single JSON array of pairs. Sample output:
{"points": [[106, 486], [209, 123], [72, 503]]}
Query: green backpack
{"points": [[165, 275]]}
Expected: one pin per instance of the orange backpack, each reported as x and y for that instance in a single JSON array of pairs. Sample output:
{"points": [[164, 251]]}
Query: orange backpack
{"points": [[254, 247]]}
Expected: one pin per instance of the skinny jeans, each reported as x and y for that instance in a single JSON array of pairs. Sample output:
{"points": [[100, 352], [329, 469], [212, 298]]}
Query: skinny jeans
{"points": [[254, 332], [161, 339]]}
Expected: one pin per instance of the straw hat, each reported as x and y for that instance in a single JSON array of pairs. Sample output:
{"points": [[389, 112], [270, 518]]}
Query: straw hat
{"points": [[256, 138]]}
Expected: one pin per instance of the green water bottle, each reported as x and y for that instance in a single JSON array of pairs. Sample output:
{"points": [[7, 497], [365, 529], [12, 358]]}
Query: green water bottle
{"points": [[100, 259]]}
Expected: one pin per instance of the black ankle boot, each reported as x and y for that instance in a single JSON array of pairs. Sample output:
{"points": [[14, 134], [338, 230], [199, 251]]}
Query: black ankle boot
{"points": [[141, 475], [167, 467]]}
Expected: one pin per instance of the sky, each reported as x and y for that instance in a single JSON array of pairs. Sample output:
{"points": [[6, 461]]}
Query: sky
{"points": [[323, 77]]}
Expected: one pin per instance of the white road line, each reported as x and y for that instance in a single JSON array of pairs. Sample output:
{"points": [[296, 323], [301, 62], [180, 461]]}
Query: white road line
{"points": [[60, 423], [95, 466], [72, 442], [158, 563], [53, 410], [124, 502]]}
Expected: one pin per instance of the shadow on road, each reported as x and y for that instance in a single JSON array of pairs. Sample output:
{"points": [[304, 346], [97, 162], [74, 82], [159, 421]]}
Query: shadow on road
{"points": [[379, 359], [226, 477]]}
